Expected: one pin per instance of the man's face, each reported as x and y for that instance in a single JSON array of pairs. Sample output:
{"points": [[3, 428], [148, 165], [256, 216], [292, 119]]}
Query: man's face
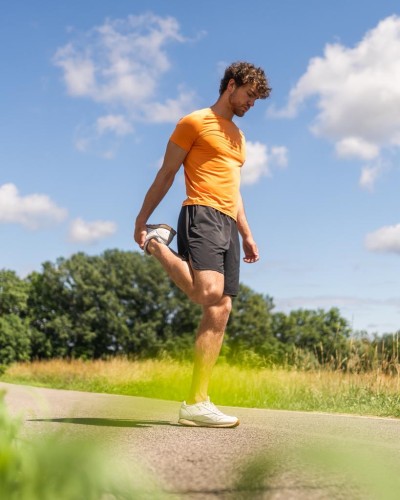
{"points": [[242, 98]]}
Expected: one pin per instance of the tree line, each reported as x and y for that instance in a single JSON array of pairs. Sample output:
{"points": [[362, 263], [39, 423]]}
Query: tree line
{"points": [[122, 303]]}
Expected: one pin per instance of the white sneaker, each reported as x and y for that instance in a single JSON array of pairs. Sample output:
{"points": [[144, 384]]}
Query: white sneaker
{"points": [[205, 414], [161, 232]]}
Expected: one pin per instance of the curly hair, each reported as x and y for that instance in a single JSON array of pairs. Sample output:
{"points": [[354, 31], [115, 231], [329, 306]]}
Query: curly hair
{"points": [[243, 73]]}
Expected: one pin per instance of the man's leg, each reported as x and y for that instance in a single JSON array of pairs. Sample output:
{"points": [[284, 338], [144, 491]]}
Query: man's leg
{"points": [[198, 411], [202, 287], [207, 347]]}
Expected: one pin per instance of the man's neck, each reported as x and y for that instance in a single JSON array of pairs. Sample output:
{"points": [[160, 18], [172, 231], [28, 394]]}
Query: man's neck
{"points": [[222, 109]]}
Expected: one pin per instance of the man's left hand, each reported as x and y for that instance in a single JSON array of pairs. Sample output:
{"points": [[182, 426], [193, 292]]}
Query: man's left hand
{"points": [[250, 249]]}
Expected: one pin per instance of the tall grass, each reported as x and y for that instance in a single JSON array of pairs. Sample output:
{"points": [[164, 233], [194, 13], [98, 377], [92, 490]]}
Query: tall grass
{"points": [[370, 393]]}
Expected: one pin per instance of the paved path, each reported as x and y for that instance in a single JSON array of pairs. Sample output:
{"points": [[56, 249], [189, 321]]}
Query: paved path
{"points": [[197, 463]]}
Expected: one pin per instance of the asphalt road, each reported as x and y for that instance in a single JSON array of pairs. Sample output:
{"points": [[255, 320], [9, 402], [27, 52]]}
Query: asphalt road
{"points": [[197, 463]]}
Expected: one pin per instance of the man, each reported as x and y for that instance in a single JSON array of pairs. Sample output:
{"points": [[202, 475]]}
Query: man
{"points": [[212, 149]]}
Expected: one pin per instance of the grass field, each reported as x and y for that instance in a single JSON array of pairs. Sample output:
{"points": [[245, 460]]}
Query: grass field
{"points": [[371, 393]]}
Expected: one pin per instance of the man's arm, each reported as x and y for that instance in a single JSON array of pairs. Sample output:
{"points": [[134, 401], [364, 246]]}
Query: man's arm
{"points": [[249, 245], [173, 159]]}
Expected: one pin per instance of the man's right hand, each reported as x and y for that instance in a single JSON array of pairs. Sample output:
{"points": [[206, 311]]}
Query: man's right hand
{"points": [[140, 233]]}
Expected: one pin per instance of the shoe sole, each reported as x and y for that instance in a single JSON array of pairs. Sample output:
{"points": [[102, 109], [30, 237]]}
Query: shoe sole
{"points": [[193, 423], [163, 226], [158, 226]]}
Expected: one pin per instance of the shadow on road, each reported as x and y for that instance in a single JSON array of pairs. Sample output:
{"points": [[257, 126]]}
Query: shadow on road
{"points": [[106, 422]]}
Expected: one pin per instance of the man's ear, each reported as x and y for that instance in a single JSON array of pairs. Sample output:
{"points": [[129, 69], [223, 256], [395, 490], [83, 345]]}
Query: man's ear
{"points": [[231, 85]]}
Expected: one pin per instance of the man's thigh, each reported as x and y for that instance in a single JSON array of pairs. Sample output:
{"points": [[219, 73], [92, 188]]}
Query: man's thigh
{"points": [[209, 281]]}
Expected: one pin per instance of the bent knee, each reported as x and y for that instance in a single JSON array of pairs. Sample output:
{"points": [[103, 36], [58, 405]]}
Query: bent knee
{"points": [[226, 303], [218, 314], [225, 306], [208, 296]]}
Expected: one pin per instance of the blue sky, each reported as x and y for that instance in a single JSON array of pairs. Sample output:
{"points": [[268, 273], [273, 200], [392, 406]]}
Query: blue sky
{"points": [[91, 91]]}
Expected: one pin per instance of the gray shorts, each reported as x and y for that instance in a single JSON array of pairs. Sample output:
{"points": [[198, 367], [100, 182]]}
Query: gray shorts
{"points": [[209, 239]]}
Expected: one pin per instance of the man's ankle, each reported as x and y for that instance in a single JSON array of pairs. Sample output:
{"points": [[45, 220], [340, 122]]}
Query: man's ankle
{"points": [[152, 245], [196, 399]]}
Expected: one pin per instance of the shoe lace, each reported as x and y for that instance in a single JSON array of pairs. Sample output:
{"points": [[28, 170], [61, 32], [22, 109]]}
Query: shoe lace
{"points": [[212, 407]]}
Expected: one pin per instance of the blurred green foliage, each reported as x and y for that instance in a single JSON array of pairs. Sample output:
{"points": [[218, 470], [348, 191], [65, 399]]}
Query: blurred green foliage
{"points": [[56, 466], [330, 467]]}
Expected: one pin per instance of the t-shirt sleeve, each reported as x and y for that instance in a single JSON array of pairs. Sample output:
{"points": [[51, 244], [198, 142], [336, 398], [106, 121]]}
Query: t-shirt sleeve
{"points": [[185, 133]]}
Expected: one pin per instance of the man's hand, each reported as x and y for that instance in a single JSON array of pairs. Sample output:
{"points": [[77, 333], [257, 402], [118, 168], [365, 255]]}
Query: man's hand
{"points": [[140, 233], [250, 249]]}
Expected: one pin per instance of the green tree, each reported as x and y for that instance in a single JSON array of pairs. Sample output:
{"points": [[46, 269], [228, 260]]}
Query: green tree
{"points": [[15, 332], [13, 293], [14, 339], [124, 303], [250, 326], [48, 305], [118, 302], [322, 333]]}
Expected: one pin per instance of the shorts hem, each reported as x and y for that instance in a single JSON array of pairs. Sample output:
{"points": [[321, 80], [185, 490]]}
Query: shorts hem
{"points": [[206, 269]]}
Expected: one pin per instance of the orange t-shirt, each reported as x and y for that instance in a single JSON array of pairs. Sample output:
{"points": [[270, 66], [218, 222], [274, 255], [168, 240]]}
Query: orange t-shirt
{"points": [[216, 152]]}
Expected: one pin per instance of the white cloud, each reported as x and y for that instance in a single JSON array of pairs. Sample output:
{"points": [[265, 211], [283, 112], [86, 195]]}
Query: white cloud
{"points": [[369, 176], [170, 111], [260, 159], [385, 239], [357, 148], [104, 137], [32, 211], [279, 156], [120, 60], [114, 123], [358, 93], [121, 63], [90, 232], [79, 71]]}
